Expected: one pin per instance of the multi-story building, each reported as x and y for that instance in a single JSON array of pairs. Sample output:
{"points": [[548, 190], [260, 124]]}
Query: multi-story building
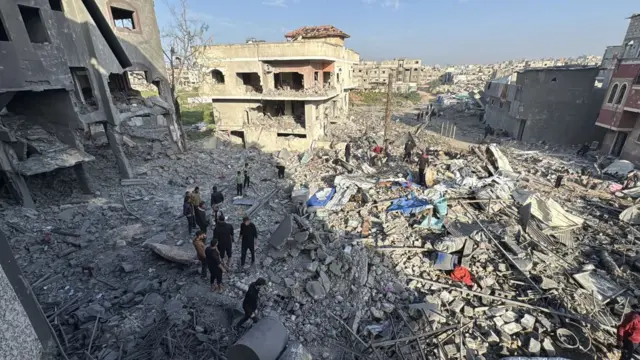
{"points": [[556, 104], [607, 66], [407, 74], [620, 112], [60, 62], [281, 94]]}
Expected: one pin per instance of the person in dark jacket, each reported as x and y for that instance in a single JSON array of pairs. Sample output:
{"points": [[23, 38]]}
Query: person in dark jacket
{"points": [[628, 334], [347, 152], [423, 162], [408, 149], [250, 303], [201, 217], [187, 211], [488, 130], [216, 268], [216, 197], [246, 182], [584, 149], [248, 236], [223, 232]]}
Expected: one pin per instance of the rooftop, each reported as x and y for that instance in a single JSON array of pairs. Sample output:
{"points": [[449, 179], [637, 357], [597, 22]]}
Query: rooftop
{"points": [[316, 32], [559, 68]]}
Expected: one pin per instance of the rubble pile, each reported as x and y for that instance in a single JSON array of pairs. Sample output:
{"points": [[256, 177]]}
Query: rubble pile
{"points": [[316, 90], [490, 260]]}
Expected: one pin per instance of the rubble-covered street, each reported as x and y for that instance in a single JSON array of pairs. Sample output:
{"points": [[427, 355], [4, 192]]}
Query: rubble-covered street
{"points": [[490, 261]]}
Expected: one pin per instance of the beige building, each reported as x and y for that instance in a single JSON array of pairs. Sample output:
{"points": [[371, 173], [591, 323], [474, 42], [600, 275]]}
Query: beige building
{"points": [[407, 74], [280, 94]]}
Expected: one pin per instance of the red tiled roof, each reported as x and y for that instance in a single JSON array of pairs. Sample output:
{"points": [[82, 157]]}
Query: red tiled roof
{"points": [[317, 32]]}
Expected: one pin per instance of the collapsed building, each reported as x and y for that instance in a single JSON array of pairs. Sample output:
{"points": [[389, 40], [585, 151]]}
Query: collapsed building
{"points": [[64, 70], [282, 94], [546, 104]]}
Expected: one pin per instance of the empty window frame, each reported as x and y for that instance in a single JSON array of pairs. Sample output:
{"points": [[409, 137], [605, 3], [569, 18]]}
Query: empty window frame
{"points": [[637, 80], [623, 90], [56, 5], [612, 94], [34, 25], [4, 36], [217, 76], [123, 18], [82, 84]]}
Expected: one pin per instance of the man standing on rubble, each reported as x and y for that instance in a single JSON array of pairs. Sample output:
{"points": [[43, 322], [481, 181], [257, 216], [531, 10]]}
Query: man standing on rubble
{"points": [[347, 152], [216, 197], [195, 197], [187, 211], [250, 303], [248, 236], [408, 149], [223, 233], [245, 184], [281, 168], [629, 334], [423, 162], [215, 265], [239, 183], [200, 216], [198, 244], [488, 130]]}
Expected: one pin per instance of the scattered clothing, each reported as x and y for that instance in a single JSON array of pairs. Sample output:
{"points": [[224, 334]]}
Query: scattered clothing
{"points": [[462, 274]]}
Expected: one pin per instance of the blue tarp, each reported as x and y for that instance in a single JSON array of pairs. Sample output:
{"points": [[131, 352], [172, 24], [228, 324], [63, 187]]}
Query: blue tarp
{"points": [[324, 198], [408, 206]]}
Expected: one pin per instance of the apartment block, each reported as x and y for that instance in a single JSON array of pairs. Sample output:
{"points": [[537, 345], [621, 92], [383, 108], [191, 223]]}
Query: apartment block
{"points": [[62, 63], [407, 74], [281, 94]]}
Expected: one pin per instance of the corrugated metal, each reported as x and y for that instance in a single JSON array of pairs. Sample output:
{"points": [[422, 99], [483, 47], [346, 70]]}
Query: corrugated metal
{"points": [[565, 238], [539, 236]]}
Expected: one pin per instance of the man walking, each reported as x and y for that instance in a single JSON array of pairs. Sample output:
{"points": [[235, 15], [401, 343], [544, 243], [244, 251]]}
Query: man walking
{"points": [[248, 235], [215, 265], [187, 211], [216, 197], [408, 149], [201, 217], [239, 182], [629, 334], [223, 233], [245, 183], [250, 303], [198, 244], [422, 165]]}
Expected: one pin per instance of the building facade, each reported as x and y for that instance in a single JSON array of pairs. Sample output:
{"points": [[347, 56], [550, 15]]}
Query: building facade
{"points": [[407, 74], [555, 105], [620, 111], [283, 94], [62, 63]]}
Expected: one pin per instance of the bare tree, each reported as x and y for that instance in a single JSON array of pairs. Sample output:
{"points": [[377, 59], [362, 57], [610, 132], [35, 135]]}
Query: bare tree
{"points": [[184, 40]]}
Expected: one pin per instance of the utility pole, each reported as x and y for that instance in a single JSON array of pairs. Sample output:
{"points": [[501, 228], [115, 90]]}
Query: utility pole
{"points": [[387, 114]]}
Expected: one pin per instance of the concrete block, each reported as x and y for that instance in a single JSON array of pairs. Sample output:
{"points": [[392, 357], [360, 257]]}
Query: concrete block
{"points": [[282, 233], [264, 341]]}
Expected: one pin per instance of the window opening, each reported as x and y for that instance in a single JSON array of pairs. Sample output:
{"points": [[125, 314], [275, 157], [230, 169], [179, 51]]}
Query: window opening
{"points": [[123, 18], [33, 22], [554, 80], [56, 5], [623, 90], [612, 94], [218, 76]]}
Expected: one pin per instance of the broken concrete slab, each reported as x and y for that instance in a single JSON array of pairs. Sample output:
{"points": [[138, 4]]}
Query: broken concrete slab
{"points": [[316, 290], [173, 253], [283, 232]]}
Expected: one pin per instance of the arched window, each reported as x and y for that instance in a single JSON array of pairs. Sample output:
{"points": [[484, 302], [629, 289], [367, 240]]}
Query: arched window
{"points": [[217, 76], [623, 89], [612, 94]]}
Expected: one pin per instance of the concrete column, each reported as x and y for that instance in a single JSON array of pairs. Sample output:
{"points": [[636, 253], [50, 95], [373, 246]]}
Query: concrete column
{"points": [[16, 184], [83, 178], [346, 103], [288, 108], [115, 141]]}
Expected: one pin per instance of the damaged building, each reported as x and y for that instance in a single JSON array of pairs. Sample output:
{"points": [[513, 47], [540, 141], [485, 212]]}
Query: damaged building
{"points": [[545, 104], [620, 110], [64, 70], [282, 94]]}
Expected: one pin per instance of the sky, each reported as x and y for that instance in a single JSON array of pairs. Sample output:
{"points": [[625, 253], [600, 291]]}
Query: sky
{"points": [[436, 31]]}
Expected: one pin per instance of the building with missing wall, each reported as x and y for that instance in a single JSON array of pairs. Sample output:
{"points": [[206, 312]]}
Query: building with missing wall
{"points": [[557, 104], [280, 94], [408, 74], [63, 64]]}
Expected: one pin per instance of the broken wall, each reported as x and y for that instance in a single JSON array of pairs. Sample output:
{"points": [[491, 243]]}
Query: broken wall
{"points": [[231, 85], [631, 149], [556, 105]]}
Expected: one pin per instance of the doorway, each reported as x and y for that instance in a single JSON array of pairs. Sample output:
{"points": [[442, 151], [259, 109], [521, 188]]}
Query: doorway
{"points": [[523, 123], [618, 145]]}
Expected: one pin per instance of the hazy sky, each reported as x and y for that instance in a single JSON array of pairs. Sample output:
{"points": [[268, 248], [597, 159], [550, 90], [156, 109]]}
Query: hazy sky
{"points": [[436, 31]]}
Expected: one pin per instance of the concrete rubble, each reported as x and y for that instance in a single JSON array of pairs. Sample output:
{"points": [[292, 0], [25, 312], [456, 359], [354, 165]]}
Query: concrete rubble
{"points": [[355, 275]]}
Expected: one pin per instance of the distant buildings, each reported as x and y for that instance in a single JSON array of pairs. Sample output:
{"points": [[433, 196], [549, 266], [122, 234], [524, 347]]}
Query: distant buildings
{"points": [[620, 109], [281, 94], [555, 104], [408, 74]]}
